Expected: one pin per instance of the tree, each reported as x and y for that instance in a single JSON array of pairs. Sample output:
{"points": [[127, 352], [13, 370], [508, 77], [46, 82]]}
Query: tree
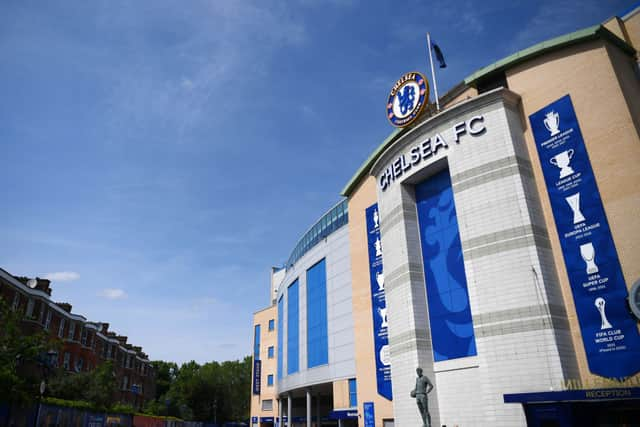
{"points": [[97, 387], [19, 353]]}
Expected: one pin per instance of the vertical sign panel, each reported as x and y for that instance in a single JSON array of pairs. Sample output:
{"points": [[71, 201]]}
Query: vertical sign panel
{"points": [[257, 376], [609, 333], [450, 317], [378, 303], [369, 415]]}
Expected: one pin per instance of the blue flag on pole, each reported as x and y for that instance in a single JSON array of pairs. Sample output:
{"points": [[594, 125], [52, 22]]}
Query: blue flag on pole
{"points": [[438, 53]]}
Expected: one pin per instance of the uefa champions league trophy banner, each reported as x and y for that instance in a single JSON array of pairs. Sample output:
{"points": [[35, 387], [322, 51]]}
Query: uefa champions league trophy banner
{"points": [[378, 303], [609, 333]]}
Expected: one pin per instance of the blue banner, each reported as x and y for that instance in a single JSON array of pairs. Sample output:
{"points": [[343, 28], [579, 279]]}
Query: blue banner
{"points": [[609, 333], [369, 414], [378, 303], [257, 376]]}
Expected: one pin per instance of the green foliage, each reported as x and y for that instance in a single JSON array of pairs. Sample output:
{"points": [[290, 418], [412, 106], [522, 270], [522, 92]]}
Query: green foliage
{"points": [[213, 391], [19, 373], [96, 387]]}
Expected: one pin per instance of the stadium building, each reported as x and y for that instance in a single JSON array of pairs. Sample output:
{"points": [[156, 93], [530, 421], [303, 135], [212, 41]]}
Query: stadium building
{"points": [[494, 243]]}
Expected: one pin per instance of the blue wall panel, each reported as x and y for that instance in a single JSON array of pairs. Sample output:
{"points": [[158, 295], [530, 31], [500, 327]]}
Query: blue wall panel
{"points": [[280, 333], [449, 312], [293, 328], [317, 340]]}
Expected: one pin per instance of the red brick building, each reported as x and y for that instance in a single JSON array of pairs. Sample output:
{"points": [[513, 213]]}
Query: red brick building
{"points": [[85, 344]]}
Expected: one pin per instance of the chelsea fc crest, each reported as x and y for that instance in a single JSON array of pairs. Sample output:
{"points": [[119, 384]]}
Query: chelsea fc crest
{"points": [[407, 99]]}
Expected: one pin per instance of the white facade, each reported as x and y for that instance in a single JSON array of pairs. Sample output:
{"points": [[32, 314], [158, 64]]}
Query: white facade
{"points": [[335, 250], [521, 330]]}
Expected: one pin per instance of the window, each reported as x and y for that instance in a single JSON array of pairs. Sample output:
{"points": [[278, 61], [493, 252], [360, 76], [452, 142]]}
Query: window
{"points": [[66, 363], [30, 305], [280, 332], [293, 328], [42, 310], [72, 330], [125, 382], [272, 325], [61, 328], [353, 393], [317, 335], [256, 343], [270, 380], [79, 364], [267, 405], [16, 301], [270, 352], [83, 338], [47, 321]]}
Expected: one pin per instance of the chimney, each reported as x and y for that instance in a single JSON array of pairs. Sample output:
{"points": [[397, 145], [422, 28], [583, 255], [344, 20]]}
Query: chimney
{"points": [[65, 306]]}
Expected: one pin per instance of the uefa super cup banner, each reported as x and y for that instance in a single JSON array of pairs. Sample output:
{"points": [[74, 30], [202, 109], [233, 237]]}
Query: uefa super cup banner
{"points": [[378, 303], [609, 333]]}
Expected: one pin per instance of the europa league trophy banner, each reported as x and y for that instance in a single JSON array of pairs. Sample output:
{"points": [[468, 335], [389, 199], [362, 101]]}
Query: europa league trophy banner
{"points": [[378, 302], [609, 332]]}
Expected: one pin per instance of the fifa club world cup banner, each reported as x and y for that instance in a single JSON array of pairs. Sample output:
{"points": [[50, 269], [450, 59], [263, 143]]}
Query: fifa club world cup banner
{"points": [[378, 303], [609, 333]]}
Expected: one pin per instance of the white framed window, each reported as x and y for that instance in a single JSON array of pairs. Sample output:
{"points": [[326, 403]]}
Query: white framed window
{"points": [[16, 301], [83, 337], [47, 321], [79, 364], [125, 382], [30, 305], [267, 405], [72, 330], [61, 327], [66, 363]]}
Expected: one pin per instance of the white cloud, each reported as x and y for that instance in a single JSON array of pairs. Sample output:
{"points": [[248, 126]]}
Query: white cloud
{"points": [[111, 293], [62, 276]]}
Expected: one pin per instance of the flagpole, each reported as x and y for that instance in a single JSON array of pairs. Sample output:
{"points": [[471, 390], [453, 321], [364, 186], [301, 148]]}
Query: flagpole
{"points": [[433, 73]]}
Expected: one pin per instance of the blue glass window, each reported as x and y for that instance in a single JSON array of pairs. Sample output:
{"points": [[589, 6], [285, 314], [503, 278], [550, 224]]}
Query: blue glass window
{"points": [[270, 379], [272, 324], [353, 393], [256, 343], [270, 352], [317, 341], [293, 328], [449, 312], [280, 333]]}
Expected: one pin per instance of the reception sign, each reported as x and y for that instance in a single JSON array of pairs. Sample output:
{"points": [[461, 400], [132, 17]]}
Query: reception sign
{"points": [[378, 303], [609, 333]]}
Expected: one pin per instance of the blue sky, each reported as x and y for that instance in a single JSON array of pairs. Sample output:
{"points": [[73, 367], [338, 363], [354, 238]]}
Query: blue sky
{"points": [[159, 157]]}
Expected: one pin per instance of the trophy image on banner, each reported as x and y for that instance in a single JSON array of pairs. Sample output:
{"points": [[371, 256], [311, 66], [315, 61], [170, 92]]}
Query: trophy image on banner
{"points": [[574, 203], [552, 122], [588, 254], [562, 161], [378, 246], [600, 303], [383, 317], [376, 219], [380, 281]]}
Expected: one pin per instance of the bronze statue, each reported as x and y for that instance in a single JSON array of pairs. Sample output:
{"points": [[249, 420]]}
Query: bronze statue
{"points": [[423, 387]]}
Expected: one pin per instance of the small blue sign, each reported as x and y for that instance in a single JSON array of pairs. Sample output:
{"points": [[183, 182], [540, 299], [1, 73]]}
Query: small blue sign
{"points": [[257, 376], [369, 414], [378, 303], [609, 333]]}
